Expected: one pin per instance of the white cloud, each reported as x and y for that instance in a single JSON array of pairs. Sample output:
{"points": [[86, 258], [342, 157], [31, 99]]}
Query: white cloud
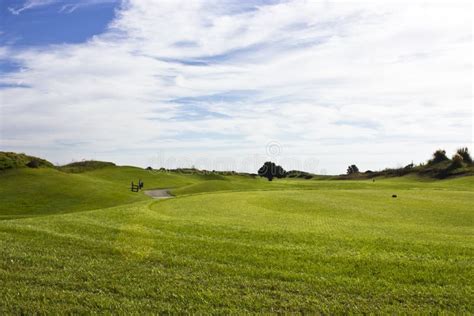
{"points": [[30, 4], [342, 82]]}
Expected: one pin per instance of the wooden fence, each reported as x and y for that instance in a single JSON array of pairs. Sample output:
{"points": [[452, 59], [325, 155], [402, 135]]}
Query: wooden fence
{"points": [[136, 187]]}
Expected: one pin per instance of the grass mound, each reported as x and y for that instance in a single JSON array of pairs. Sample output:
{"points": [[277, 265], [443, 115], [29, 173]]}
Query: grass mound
{"points": [[10, 160], [29, 192], [86, 165], [37, 192]]}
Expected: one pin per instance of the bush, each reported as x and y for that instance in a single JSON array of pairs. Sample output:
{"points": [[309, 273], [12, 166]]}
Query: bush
{"points": [[456, 162], [6, 162], [464, 153], [439, 156], [33, 164], [299, 174]]}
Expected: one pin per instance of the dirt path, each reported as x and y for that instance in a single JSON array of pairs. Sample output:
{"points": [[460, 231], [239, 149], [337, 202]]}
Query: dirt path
{"points": [[159, 193]]}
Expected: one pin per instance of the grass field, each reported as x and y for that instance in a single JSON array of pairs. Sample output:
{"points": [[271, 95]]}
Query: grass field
{"points": [[82, 243]]}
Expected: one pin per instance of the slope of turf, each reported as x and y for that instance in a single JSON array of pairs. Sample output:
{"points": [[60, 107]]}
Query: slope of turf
{"points": [[31, 192], [334, 247]]}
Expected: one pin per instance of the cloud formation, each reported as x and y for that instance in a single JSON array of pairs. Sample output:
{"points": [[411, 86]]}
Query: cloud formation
{"points": [[333, 82]]}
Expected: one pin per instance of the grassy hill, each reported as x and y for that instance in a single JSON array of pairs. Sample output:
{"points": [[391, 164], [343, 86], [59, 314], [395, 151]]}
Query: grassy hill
{"points": [[33, 192], [10, 160], [43, 191], [78, 240], [86, 165]]}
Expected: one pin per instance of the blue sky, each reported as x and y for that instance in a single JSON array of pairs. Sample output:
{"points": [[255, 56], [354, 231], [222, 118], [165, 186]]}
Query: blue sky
{"points": [[55, 22], [221, 84]]}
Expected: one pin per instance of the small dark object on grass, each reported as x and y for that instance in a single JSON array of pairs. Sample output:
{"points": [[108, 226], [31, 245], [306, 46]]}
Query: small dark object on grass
{"points": [[394, 195]]}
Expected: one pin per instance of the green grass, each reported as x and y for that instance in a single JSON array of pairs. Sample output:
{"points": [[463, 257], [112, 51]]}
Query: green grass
{"points": [[29, 192], [234, 244], [37, 192]]}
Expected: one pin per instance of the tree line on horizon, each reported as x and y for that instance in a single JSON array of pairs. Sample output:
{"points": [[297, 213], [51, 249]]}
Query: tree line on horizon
{"points": [[461, 158]]}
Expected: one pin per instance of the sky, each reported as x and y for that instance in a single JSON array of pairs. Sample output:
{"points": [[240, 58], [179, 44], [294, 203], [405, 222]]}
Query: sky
{"points": [[226, 85]]}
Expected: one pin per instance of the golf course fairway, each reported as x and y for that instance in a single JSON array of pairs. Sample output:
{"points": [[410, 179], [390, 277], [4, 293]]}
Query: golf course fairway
{"points": [[234, 244]]}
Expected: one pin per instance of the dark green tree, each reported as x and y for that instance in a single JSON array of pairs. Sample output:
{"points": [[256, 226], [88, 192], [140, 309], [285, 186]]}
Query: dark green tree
{"points": [[352, 169], [270, 170], [439, 156]]}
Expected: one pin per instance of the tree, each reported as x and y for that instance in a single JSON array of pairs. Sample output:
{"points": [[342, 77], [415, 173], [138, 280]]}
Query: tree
{"points": [[352, 169], [464, 153], [439, 156], [270, 170]]}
